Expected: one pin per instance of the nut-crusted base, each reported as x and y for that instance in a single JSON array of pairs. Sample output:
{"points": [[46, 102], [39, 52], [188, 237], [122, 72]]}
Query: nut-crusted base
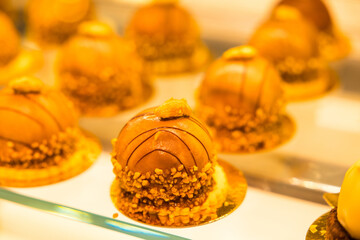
{"points": [[261, 138], [314, 88], [180, 216], [334, 230], [87, 150], [176, 65]]}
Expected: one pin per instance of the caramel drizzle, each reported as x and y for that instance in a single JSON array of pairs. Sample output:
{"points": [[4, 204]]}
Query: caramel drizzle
{"points": [[45, 110], [262, 83], [153, 135], [161, 150], [23, 114], [179, 129]]}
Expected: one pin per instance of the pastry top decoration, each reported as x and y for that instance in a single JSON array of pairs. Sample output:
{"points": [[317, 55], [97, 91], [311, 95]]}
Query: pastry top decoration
{"points": [[9, 40], [348, 210]]}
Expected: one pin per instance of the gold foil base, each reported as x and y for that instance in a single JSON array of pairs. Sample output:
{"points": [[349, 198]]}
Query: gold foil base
{"points": [[177, 65], [237, 142], [88, 149], [235, 194], [27, 62], [316, 88], [317, 230]]}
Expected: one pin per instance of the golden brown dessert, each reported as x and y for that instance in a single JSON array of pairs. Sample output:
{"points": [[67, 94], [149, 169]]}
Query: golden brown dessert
{"points": [[241, 100], [347, 223], [332, 43], [166, 168], [167, 37], [294, 52], [40, 142], [101, 72], [53, 22], [14, 59], [9, 40]]}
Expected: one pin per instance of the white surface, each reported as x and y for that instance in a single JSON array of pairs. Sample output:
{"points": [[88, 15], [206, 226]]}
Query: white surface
{"points": [[262, 215]]}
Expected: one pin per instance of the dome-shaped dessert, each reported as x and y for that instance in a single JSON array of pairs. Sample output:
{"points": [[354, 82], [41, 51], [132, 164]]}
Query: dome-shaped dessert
{"points": [[14, 59], [332, 43], [9, 40], [348, 210], [294, 52], [166, 168], [39, 136], [240, 98], [167, 36], [101, 72], [53, 22]]}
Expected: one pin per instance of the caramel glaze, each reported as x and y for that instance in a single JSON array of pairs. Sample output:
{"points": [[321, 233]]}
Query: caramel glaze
{"points": [[163, 30], [313, 10], [37, 128], [240, 93]]}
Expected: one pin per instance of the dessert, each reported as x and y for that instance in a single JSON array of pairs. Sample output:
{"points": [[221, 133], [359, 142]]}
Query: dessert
{"points": [[348, 209], [40, 142], [294, 52], [241, 99], [14, 60], [100, 72], [167, 171], [53, 22], [167, 37], [332, 43]]}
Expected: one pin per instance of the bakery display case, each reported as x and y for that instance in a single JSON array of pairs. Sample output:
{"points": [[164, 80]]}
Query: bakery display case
{"points": [[288, 153]]}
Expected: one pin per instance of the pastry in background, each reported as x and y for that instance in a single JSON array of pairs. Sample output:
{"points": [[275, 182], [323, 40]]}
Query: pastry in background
{"points": [[167, 37], [100, 72], [241, 99], [167, 171], [51, 23], [40, 142], [290, 42], [15, 60], [333, 45]]}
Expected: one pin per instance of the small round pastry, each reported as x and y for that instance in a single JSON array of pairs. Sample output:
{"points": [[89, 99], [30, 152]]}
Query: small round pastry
{"points": [[294, 52], [167, 171], [100, 72], [14, 60], [40, 142], [333, 45], [167, 37], [241, 99], [51, 23], [343, 221]]}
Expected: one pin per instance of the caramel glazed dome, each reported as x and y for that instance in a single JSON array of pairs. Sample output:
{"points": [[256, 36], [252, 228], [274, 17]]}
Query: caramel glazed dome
{"points": [[333, 44], [100, 72], [53, 22], [167, 37], [166, 168], [294, 52], [240, 98], [40, 142]]}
